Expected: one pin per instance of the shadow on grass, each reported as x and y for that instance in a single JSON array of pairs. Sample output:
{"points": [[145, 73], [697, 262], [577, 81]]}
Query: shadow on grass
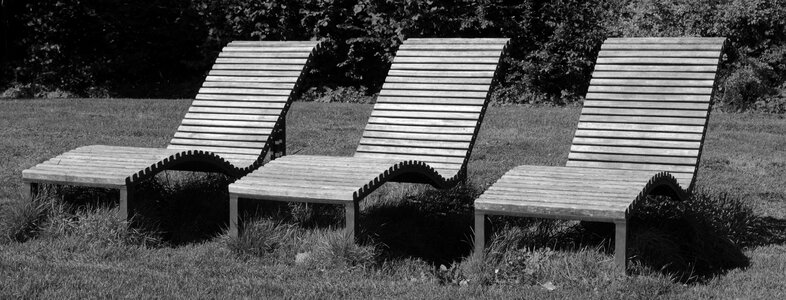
{"points": [[184, 207], [691, 241], [435, 226]]}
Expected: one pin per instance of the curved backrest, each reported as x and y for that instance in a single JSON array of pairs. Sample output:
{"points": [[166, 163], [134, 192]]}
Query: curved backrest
{"points": [[244, 99], [647, 106], [432, 102]]}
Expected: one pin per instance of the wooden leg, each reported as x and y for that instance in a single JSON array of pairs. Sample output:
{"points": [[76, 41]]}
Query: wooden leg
{"points": [[125, 198], [620, 245], [32, 189], [352, 211], [233, 219], [480, 232]]}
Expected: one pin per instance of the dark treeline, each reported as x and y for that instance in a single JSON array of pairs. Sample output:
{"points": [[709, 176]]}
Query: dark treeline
{"points": [[160, 48]]}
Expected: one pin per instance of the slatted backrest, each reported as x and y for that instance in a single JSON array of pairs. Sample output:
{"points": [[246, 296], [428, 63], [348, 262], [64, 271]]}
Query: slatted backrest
{"points": [[647, 106], [244, 97], [432, 102]]}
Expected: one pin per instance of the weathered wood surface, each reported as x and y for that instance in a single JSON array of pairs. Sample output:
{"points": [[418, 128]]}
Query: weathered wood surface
{"points": [[422, 128], [641, 129], [229, 126], [432, 102]]}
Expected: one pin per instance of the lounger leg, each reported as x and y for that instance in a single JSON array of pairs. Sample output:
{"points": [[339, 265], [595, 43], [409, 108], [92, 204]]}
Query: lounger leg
{"points": [[351, 218], [233, 219], [126, 196], [480, 232], [620, 246], [32, 189]]}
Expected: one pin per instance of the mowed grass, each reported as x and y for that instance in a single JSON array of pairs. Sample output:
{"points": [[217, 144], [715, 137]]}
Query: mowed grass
{"points": [[418, 240]]}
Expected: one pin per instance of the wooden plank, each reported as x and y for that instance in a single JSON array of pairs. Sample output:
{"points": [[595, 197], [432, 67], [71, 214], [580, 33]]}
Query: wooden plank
{"points": [[422, 122], [268, 49], [642, 127], [470, 53], [457, 42], [255, 73], [654, 75], [606, 66], [414, 143], [413, 150], [217, 136], [196, 143], [419, 129], [653, 135], [234, 110], [241, 91], [643, 120], [677, 47], [238, 104], [250, 67], [683, 113], [224, 123], [659, 53], [578, 140], [428, 107], [420, 93], [651, 90], [272, 61], [433, 80], [493, 60], [218, 149], [441, 47], [417, 136], [703, 106], [406, 157], [620, 149], [235, 117], [630, 165], [654, 82], [666, 40], [648, 97], [478, 101], [224, 130], [425, 114], [258, 54], [437, 87], [255, 85], [442, 73]]}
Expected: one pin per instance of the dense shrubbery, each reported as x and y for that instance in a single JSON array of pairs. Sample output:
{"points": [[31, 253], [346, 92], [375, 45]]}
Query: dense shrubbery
{"points": [[162, 48]]}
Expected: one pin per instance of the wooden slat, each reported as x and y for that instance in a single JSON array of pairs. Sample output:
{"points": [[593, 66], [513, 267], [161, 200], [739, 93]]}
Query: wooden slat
{"points": [[642, 120], [638, 134], [709, 68], [255, 85], [424, 114], [651, 90], [437, 86], [659, 53], [683, 113], [653, 82], [654, 75], [266, 98], [701, 106]]}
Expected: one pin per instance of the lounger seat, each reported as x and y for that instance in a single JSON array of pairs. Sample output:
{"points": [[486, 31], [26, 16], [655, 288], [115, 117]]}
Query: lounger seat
{"points": [[640, 133], [236, 119], [421, 130]]}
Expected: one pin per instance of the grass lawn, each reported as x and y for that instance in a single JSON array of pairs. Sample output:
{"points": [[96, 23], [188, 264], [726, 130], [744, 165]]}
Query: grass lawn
{"points": [[729, 242]]}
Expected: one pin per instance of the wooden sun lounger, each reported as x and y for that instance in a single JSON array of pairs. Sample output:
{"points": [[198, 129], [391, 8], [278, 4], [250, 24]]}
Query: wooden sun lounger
{"points": [[237, 117], [641, 132], [422, 130]]}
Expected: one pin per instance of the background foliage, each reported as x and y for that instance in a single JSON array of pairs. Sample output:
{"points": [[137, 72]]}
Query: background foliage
{"points": [[163, 48]]}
